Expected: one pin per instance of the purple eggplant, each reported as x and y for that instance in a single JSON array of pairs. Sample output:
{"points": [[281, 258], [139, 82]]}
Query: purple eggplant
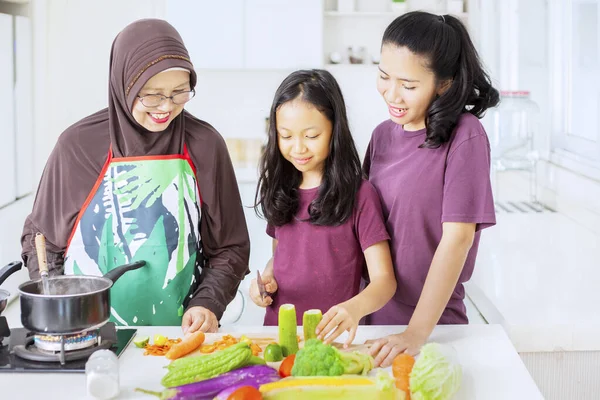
{"points": [[209, 388], [256, 382]]}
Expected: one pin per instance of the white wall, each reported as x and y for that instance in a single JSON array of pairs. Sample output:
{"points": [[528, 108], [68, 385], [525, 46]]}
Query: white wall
{"points": [[72, 42]]}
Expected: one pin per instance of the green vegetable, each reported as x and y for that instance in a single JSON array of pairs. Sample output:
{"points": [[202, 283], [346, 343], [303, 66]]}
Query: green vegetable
{"points": [[288, 329], [273, 353], [310, 320], [319, 359], [193, 369], [141, 341], [435, 376], [255, 360]]}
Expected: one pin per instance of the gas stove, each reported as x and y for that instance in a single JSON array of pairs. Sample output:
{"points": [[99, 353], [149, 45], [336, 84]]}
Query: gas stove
{"points": [[25, 351]]}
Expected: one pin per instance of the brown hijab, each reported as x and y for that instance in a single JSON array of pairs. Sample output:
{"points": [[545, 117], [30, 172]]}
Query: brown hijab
{"points": [[142, 50]]}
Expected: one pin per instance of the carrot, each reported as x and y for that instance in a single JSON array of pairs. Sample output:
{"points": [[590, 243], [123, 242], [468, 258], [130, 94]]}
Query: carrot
{"points": [[187, 345], [401, 369]]}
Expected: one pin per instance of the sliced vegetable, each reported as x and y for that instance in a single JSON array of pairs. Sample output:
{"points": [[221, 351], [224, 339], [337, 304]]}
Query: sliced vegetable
{"points": [[273, 353], [401, 368], [209, 388], [160, 340], [186, 346], [141, 341], [285, 369], [338, 387], [310, 320], [194, 369], [288, 329], [156, 350]]}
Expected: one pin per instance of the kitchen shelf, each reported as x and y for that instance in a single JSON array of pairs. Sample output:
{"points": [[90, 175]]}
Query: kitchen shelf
{"points": [[360, 14], [374, 14]]}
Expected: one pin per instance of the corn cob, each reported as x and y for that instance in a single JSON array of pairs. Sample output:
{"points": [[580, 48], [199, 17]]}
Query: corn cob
{"points": [[329, 388]]}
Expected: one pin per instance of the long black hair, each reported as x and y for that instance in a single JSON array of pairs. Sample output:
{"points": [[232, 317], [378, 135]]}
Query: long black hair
{"points": [[451, 55], [277, 192]]}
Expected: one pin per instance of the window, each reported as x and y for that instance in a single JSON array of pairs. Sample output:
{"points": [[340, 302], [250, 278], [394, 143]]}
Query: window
{"points": [[575, 56]]}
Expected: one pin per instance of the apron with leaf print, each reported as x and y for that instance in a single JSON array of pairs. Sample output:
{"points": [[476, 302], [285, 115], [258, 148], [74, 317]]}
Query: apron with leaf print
{"points": [[141, 208]]}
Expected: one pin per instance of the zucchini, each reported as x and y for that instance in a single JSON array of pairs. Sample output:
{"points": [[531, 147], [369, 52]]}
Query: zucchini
{"points": [[288, 329], [310, 320]]}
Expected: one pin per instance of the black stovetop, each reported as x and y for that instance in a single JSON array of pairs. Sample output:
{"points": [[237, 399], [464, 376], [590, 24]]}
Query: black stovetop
{"points": [[9, 362]]}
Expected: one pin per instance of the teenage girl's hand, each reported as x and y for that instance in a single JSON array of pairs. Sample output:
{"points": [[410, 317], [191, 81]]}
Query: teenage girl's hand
{"points": [[339, 318], [384, 350], [270, 286]]}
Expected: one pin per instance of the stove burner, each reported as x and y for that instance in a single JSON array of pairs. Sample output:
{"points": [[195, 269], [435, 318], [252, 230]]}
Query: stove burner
{"points": [[58, 348], [52, 343]]}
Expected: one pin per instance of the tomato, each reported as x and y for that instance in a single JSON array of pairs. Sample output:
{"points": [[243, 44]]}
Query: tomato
{"points": [[285, 369], [245, 393]]}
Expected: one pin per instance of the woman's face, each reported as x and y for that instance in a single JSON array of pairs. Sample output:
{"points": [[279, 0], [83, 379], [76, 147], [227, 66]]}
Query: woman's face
{"points": [[303, 136], [166, 83], [407, 86]]}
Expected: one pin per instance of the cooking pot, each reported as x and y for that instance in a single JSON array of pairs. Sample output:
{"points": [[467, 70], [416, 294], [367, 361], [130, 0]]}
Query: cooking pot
{"points": [[75, 303], [5, 273]]}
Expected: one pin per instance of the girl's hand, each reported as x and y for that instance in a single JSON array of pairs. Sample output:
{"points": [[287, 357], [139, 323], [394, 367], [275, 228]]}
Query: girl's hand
{"points": [[270, 286], [384, 350], [199, 318], [338, 319]]}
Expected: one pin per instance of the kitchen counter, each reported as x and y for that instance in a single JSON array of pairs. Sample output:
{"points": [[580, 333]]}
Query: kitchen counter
{"points": [[491, 366], [537, 275]]}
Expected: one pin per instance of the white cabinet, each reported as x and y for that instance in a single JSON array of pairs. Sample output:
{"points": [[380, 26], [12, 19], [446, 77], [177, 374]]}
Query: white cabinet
{"points": [[8, 190], [213, 31], [284, 34], [24, 107], [252, 34]]}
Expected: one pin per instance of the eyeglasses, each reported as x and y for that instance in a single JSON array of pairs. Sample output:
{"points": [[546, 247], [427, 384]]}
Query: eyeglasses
{"points": [[155, 100]]}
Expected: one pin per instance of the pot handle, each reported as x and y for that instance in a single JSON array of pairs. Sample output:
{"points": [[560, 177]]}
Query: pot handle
{"points": [[116, 273], [9, 270]]}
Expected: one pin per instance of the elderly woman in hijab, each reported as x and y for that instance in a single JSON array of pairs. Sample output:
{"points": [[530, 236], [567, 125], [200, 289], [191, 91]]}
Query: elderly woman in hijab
{"points": [[145, 180]]}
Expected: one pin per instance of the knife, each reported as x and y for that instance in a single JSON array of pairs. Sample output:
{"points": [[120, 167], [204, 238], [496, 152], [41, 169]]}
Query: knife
{"points": [[261, 286]]}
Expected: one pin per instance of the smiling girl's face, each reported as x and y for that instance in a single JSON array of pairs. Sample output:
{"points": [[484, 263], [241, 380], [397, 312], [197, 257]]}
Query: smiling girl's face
{"points": [[303, 136], [407, 86]]}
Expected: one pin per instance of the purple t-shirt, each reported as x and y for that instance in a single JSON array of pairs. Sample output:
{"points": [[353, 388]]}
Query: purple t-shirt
{"points": [[420, 189], [321, 266]]}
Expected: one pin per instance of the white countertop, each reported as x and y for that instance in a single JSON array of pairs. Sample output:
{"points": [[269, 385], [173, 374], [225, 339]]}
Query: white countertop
{"points": [[491, 366], [538, 275]]}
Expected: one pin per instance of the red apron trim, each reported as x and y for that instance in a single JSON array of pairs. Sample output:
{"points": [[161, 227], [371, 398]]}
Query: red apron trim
{"points": [[90, 195], [186, 155]]}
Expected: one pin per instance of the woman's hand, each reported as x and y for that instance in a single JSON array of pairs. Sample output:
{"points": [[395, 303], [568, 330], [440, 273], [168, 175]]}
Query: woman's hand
{"points": [[384, 350], [339, 318], [270, 286], [199, 319]]}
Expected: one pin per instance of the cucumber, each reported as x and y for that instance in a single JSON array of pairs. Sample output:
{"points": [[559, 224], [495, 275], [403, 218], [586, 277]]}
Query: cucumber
{"points": [[288, 329], [310, 320]]}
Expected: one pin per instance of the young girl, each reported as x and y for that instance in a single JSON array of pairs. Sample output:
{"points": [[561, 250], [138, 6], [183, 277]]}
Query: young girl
{"points": [[430, 164], [321, 214]]}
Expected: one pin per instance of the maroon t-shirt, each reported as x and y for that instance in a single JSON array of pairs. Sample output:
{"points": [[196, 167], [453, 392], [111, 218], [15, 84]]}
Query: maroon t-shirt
{"points": [[420, 189], [321, 266]]}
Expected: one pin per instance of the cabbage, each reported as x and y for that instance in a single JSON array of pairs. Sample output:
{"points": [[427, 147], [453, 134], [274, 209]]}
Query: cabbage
{"points": [[435, 375]]}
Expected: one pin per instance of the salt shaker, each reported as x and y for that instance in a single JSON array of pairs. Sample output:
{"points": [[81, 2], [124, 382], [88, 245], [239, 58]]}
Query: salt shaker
{"points": [[102, 374]]}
